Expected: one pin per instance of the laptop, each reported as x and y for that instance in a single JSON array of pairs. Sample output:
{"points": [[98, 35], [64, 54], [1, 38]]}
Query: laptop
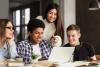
{"points": [[61, 54]]}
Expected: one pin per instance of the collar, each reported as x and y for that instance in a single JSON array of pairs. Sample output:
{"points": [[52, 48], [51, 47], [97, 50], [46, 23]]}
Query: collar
{"points": [[5, 45]]}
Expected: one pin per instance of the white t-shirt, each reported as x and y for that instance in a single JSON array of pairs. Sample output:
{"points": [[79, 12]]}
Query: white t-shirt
{"points": [[36, 50]]}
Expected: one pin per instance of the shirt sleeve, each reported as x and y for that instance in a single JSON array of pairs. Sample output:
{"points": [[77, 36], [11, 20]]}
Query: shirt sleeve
{"points": [[39, 17], [19, 49], [91, 50], [24, 51], [46, 48]]}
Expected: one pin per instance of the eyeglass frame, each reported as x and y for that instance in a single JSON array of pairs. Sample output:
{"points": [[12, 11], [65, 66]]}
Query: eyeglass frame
{"points": [[11, 28]]}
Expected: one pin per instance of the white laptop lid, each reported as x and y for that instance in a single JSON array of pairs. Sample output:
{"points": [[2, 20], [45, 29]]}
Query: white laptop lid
{"points": [[61, 54]]}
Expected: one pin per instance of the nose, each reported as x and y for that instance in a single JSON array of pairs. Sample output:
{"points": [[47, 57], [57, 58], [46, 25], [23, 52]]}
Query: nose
{"points": [[11, 29], [69, 37], [40, 35], [53, 15]]}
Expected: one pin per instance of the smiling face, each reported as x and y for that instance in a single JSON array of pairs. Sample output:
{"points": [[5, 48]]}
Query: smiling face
{"points": [[9, 30], [52, 15], [36, 35], [73, 37]]}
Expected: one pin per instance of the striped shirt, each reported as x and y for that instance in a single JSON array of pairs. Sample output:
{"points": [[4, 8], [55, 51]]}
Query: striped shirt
{"points": [[24, 49]]}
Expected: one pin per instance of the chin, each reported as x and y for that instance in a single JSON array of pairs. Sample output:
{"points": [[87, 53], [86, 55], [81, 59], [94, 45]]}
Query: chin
{"points": [[38, 42], [72, 44], [50, 21]]}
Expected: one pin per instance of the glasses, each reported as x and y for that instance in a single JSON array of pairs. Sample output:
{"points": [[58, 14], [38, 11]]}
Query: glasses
{"points": [[11, 28]]}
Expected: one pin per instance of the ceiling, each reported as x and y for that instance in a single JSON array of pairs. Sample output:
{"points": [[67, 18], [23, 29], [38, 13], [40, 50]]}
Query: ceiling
{"points": [[16, 3]]}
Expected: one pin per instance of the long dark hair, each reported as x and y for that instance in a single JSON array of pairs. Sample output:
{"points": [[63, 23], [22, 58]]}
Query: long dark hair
{"points": [[58, 22], [3, 23]]}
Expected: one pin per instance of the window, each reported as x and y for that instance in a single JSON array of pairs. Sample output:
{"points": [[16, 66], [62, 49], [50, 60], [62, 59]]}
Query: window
{"points": [[21, 16], [27, 15], [21, 19], [17, 21]]}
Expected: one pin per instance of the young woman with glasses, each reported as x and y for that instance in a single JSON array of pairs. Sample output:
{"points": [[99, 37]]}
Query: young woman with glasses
{"points": [[7, 44]]}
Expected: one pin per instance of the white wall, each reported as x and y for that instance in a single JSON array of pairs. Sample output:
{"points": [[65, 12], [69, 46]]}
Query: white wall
{"points": [[4, 8], [69, 14]]}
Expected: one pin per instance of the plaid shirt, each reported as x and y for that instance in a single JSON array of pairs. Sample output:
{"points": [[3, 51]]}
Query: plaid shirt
{"points": [[24, 49]]}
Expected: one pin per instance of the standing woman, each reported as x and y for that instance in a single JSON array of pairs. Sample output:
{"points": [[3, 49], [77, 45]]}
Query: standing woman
{"points": [[7, 44], [54, 31]]}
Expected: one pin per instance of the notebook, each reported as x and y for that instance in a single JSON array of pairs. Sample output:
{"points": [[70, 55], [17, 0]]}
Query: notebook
{"points": [[61, 54]]}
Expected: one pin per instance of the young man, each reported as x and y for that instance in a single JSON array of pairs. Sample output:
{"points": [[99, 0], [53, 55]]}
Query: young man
{"points": [[83, 51], [34, 43]]}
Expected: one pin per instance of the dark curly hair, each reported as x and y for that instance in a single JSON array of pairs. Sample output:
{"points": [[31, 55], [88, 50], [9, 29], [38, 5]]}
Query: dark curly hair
{"points": [[35, 23]]}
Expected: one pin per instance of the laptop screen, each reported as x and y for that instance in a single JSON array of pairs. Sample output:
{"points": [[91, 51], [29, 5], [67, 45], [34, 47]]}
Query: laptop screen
{"points": [[61, 54]]}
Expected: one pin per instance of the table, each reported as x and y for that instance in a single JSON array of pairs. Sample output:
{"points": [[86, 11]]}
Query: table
{"points": [[49, 63]]}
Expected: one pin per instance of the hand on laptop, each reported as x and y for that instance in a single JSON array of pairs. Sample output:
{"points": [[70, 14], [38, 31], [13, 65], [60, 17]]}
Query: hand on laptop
{"points": [[43, 58]]}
